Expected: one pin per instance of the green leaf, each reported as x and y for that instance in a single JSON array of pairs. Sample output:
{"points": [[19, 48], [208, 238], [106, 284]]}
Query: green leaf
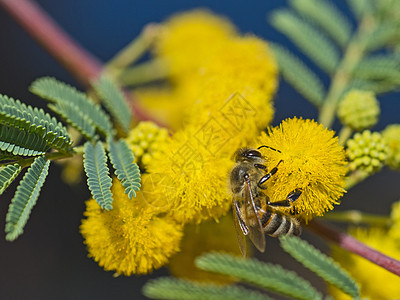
{"points": [[13, 113], [268, 276], [59, 92], [25, 197], [360, 7], [7, 175], [324, 14], [20, 142], [378, 69], [308, 39], [73, 115], [382, 36], [320, 264], [178, 289], [99, 182], [299, 75], [126, 170], [114, 100], [390, 61], [378, 87]]}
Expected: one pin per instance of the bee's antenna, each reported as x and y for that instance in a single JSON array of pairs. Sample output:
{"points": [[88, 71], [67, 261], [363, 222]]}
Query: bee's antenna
{"points": [[264, 146]]}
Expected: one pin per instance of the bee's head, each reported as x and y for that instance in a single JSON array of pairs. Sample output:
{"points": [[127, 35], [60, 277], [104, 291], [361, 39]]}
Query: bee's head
{"points": [[247, 154]]}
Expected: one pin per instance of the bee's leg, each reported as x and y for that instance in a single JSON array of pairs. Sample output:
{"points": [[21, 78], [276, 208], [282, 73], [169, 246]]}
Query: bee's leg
{"points": [[260, 166], [282, 203], [293, 196], [268, 176]]}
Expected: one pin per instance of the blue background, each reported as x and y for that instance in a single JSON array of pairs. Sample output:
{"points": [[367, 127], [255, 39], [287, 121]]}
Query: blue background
{"points": [[50, 261]]}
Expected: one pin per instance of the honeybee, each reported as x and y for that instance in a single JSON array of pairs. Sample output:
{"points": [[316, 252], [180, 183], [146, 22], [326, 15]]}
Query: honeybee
{"points": [[253, 213]]}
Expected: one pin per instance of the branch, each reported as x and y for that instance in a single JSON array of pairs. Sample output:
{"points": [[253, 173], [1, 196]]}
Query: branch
{"points": [[79, 62], [353, 54], [349, 243]]}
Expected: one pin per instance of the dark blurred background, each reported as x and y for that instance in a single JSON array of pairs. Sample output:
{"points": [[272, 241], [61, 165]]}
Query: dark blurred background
{"points": [[49, 261]]}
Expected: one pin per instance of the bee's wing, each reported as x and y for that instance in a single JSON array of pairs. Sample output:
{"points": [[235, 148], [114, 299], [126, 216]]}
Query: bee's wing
{"points": [[241, 228], [253, 223]]}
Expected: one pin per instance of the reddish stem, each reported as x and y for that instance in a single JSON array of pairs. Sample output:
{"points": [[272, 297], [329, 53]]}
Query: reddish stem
{"points": [[79, 62], [349, 243]]}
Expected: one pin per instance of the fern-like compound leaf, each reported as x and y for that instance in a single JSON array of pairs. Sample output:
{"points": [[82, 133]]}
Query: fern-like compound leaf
{"points": [[25, 197], [99, 181], [59, 92], [382, 36], [376, 86], [126, 170], [113, 98], [179, 289], [268, 276], [14, 113], [324, 14], [299, 75], [361, 7], [307, 38], [390, 61], [4, 155], [20, 142], [320, 264], [7, 175], [378, 70], [73, 115]]}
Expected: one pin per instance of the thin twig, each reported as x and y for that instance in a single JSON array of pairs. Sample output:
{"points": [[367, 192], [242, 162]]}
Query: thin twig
{"points": [[351, 244], [353, 54], [79, 62]]}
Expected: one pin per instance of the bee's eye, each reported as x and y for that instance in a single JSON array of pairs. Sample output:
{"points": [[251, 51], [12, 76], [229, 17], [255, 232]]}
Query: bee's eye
{"points": [[252, 153]]}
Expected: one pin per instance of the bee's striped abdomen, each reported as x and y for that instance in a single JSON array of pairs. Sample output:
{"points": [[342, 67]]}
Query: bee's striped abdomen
{"points": [[277, 224]]}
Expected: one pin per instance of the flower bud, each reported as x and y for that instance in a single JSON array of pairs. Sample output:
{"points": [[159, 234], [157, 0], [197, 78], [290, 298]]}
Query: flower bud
{"points": [[391, 135], [359, 110], [367, 152], [143, 140]]}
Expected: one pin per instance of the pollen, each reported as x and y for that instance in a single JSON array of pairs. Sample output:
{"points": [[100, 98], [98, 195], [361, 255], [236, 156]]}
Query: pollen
{"points": [[130, 238], [312, 160]]}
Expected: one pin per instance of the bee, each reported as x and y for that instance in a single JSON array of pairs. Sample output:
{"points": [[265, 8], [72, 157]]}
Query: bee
{"points": [[253, 213]]}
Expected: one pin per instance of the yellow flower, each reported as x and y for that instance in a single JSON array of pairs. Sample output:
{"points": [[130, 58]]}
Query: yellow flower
{"points": [[131, 238], [375, 282], [164, 103], [217, 65], [313, 161], [194, 163], [247, 69], [189, 38], [199, 239], [192, 178], [224, 91]]}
